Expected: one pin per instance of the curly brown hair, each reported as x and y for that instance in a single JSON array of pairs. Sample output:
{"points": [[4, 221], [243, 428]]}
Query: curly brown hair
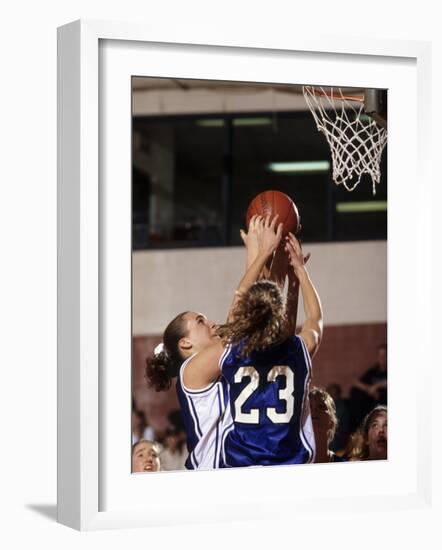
{"points": [[358, 446], [258, 318]]}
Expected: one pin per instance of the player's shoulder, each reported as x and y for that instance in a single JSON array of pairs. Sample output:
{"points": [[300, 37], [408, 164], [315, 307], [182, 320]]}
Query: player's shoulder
{"points": [[299, 349], [290, 347], [184, 365], [195, 393], [296, 342], [231, 352]]}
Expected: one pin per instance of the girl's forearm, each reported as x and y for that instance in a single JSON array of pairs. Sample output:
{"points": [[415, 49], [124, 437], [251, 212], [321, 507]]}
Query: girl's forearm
{"points": [[251, 275], [312, 303]]}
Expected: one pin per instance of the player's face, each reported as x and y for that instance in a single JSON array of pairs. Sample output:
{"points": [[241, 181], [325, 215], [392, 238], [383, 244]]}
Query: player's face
{"points": [[321, 418], [377, 437], [201, 332], [145, 458]]}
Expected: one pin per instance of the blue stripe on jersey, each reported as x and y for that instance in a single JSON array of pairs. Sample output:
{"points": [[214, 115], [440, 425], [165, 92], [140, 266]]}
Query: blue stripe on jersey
{"points": [[225, 433], [304, 439], [226, 418], [188, 417], [196, 392], [195, 416], [308, 362], [193, 459], [307, 358], [217, 429], [189, 463], [223, 355]]}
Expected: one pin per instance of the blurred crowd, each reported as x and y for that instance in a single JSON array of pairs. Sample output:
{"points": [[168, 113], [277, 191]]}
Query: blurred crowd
{"points": [[153, 451]]}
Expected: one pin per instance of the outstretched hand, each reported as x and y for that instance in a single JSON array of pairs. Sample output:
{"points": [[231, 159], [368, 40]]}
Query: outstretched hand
{"points": [[269, 234], [250, 239], [263, 235], [296, 258]]}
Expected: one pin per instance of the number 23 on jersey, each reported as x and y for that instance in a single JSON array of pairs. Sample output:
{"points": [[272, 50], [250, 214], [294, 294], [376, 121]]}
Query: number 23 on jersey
{"points": [[285, 394]]}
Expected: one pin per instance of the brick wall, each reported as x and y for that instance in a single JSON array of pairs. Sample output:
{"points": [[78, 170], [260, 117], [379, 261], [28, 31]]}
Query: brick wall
{"points": [[346, 352]]}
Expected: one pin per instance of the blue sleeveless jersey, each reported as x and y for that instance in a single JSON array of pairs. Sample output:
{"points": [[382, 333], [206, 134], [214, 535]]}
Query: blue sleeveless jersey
{"points": [[269, 406], [205, 412]]}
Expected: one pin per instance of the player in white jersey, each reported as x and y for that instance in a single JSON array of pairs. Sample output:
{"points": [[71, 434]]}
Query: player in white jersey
{"points": [[206, 416], [204, 403], [202, 408]]}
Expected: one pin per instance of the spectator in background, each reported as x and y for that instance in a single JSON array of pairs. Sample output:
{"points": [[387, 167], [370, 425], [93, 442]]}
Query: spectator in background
{"points": [[145, 457], [140, 427], [340, 440], [175, 453], [370, 390], [370, 442], [324, 420], [175, 419], [374, 381]]}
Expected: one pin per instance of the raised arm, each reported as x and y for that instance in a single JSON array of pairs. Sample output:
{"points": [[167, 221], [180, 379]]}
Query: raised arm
{"points": [[266, 236], [293, 295], [251, 242], [312, 328], [204, 368], [292, 300]]}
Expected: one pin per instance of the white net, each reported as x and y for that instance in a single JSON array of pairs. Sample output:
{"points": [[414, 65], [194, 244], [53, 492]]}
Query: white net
{"points": [[356, 140]]}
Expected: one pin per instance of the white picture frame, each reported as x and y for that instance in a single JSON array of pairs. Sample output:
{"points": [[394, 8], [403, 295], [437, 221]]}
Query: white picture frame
{"points": [[83, 298]]}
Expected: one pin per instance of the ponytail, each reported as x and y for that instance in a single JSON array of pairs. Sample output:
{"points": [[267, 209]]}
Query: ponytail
{"points": [[159, 372], [165, 365]]}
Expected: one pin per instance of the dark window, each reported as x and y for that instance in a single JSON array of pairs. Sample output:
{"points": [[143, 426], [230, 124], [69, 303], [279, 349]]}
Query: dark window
{"points": [[194, 176]]}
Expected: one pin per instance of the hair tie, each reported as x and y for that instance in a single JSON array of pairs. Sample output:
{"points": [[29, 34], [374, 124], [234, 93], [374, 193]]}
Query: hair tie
{"points": [[159, 349]]}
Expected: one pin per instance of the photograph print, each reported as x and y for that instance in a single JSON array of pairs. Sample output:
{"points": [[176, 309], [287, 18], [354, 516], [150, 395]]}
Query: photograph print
{"points": [[259, 274]]}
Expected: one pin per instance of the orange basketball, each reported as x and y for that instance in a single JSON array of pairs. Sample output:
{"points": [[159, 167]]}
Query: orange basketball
{"points": [[272, 203]]}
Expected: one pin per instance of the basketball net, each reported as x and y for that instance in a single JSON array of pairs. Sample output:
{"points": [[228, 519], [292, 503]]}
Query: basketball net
{"points": [[356, 140]]}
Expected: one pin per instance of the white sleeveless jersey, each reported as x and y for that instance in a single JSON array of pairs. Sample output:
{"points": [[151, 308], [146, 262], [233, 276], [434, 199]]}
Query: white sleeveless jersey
{"points": [[206, 415]]}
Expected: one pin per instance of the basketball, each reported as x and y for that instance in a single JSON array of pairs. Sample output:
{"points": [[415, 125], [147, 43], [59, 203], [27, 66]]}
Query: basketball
{"points": [[272, 203]]}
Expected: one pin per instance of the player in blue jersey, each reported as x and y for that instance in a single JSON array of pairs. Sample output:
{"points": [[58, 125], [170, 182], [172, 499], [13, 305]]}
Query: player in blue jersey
{"points": [[204, 402], [267, 370]]}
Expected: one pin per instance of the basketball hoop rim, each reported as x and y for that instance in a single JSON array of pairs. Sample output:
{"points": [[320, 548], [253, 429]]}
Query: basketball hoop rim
{"points": [[359, 98], [333, 120]]}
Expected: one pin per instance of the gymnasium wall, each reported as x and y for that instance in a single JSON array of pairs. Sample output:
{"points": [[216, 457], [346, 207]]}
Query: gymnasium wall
{"points": [[210, 99], [351, 279]]}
